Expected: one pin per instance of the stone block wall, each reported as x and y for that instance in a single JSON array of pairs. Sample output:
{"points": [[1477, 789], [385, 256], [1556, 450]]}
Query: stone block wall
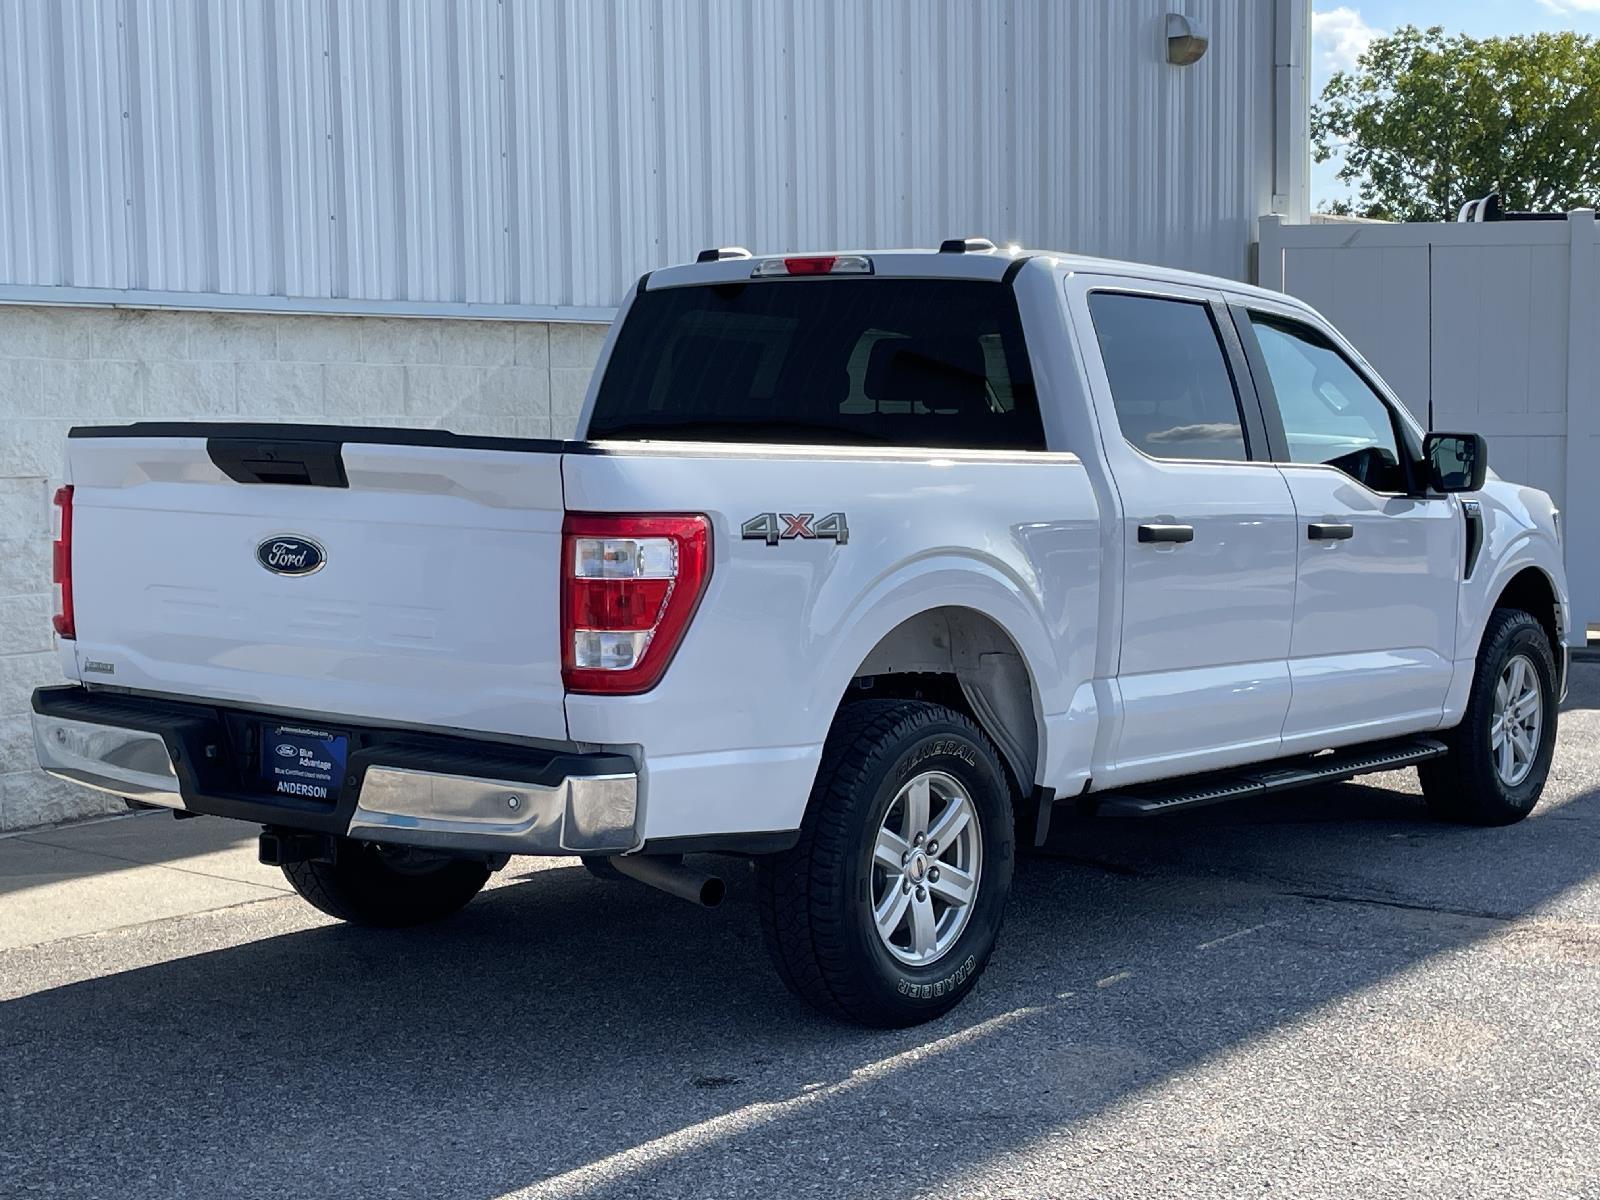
{"points": [[66, 366]]}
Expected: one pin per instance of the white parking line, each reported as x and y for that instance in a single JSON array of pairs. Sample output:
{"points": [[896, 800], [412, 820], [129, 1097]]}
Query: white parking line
{"points": [[1215, 942]]}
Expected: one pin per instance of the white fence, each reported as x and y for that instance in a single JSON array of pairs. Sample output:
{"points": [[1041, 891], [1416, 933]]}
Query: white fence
{"points": [[1487, 328]]}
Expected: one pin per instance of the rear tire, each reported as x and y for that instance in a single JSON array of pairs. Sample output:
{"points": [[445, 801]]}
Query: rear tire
{"points": [[600, 867], [865, 918], [387, 887], [1500, 754]]}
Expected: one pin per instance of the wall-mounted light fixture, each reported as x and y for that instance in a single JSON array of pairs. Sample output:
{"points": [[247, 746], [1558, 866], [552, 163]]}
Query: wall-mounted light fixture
{"points": [[1187, 39]]}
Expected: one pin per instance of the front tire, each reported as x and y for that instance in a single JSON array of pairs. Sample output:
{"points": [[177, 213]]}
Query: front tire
{"points": [[887, 910], [388, 887], [1500, 754]]}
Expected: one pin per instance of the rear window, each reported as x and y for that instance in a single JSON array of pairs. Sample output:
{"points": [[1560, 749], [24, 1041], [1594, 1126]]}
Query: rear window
{"points": [[863, 362]]}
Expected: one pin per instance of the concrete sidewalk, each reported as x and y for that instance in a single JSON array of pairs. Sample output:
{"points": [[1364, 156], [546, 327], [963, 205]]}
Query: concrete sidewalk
{"points": [[125, 870]]}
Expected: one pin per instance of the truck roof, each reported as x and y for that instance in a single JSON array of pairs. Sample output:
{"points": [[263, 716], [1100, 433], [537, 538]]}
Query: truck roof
{"points": [[988, 264]]}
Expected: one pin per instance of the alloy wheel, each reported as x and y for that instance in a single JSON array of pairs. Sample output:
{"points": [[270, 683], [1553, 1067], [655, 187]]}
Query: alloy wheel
{"points": [[1518, 720], [927, 863]]}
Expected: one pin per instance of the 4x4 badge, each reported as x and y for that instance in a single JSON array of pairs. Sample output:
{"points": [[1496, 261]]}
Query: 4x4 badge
{"points": [[773, 528]]}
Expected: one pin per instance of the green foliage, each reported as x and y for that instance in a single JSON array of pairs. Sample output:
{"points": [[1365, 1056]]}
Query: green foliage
{"points": [[1427, 122]]}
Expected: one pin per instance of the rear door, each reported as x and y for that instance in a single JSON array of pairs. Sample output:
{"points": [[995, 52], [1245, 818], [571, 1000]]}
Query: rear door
{"points": [[1208, 532], [413, 584], [1379, 562]]}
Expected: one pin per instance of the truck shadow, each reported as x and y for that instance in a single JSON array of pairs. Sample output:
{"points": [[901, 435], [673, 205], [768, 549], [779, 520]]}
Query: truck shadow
{"points": [[583, 1038]]}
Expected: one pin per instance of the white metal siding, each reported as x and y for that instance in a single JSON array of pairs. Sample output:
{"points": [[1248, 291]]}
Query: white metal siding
{"points": [[484, 152]]}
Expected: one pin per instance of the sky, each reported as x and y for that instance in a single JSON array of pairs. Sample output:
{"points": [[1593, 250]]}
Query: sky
{"points": [[1340, 31]]}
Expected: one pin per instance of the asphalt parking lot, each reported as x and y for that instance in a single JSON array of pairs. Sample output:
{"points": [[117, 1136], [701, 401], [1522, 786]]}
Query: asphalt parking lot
{"points": [[1325, 994]]}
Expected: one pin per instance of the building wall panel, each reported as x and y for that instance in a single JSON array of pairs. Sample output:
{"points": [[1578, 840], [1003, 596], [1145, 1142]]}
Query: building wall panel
{"points": [[457, 155]]}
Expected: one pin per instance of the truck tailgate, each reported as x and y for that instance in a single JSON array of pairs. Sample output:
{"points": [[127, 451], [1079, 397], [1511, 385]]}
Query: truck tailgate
{"points": [[435, 604]]}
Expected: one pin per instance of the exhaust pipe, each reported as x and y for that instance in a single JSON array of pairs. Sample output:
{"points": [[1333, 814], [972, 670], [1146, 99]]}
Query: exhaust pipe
{"points": [[672, 877]]}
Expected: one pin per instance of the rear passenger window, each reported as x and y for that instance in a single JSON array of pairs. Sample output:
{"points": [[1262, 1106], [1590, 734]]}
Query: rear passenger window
{"points": [[1169, 376]]}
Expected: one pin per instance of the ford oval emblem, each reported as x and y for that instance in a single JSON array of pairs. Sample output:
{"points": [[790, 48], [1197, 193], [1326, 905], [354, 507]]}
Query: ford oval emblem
{"points": [[289, 554]]}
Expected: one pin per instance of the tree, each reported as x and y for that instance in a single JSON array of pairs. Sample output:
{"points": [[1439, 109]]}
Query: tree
{"points": [[1427, 122]]}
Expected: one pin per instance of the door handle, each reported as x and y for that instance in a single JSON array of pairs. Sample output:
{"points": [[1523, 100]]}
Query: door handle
{"points": [[1166, 533], [1329, 531]]}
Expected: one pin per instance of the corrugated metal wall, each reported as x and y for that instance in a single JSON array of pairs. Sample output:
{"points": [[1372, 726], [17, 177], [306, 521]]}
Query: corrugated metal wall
{"points": [[544, 153]]}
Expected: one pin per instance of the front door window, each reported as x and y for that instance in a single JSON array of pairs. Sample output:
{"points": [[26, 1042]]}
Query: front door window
{"points": [[1330, 415]]}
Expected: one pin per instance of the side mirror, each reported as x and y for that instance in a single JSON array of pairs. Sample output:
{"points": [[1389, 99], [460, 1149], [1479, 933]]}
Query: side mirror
{"points": [[1456, 462]]}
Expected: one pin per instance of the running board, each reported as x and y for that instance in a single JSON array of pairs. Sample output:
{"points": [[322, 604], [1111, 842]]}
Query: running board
{"points": [[1196, 791]]}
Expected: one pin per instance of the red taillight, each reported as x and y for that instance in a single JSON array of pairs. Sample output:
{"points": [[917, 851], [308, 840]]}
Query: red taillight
{"points": [[61, 567], [629, 587]]}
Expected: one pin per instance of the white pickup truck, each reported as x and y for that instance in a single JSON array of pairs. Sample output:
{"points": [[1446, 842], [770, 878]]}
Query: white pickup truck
{"points": [[866, 563]]}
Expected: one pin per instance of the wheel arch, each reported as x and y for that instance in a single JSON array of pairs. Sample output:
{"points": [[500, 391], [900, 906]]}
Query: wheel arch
{"points": [[968, 660], [1532, 590], [1526, 582]]}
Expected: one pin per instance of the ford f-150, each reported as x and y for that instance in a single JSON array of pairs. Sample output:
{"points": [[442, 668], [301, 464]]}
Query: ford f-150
{"points": [[864, 566]]}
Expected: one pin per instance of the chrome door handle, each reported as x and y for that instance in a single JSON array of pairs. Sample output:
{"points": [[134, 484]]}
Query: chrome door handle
{"points": [[1166, 533], [1329, 531]]}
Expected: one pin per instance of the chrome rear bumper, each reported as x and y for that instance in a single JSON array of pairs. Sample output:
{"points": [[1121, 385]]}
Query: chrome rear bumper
{"points": [[586, 814], [416, 791], [130, 763]]}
